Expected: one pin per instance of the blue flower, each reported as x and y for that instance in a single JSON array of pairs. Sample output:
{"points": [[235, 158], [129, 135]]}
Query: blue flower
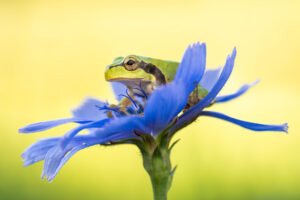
{"points": [[161, 115]]}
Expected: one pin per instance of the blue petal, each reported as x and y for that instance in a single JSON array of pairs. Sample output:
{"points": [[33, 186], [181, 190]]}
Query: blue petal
{"points": [[164, 104], [89, 110], [192, 66], [56, 154], [62, 161], [247, 125], [123, 125], [240, 92], [70, 134], [53, 161], [118, 89], [195, 111], [86, 112], [42, 126], [66, 157], [57, 157], [37, 151], [210, 78]]}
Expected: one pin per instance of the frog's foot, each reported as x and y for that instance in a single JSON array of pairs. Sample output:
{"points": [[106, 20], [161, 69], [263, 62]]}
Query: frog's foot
{"points": [[111, 110], [193, 99], [126, 106]]}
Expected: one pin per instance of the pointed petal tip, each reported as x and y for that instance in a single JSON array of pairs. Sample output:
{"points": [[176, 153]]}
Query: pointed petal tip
{"points": [[241, 91], [25, 129], [47, 176], [22, 155], [248, 125], [234, 51], [42, 126], [255, 82], [28, 129], [50, 179], [231, 58], [232, 55], [198, 45], [27, 163], [202, 44], [281, 128], [43, 175], [285, 127]]}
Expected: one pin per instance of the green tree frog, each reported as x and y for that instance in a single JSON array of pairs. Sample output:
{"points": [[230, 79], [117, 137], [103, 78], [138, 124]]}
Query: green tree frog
{"points": [[148, 73]]}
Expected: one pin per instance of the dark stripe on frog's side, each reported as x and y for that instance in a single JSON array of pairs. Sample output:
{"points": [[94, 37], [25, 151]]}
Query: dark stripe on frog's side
{"points": [[152, 69]]}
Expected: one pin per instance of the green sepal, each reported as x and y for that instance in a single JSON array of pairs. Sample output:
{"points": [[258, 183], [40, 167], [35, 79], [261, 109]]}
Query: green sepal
{"points": [[173, 144], [172, 175], [163, 138], [147, 139]]}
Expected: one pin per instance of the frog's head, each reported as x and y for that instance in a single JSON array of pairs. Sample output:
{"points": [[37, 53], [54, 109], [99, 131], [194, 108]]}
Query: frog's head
{"points": [[128, 70]]}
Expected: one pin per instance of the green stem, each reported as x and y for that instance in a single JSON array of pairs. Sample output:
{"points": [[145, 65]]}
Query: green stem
{"points": [[156, 160], [160, 187], [158, 166]]}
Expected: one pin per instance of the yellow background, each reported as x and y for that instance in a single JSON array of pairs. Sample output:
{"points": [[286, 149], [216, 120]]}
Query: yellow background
{"points": [[53, 54]]}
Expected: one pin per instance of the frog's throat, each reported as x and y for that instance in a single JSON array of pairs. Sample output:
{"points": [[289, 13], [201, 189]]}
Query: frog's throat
{"points": [[142, 85]]}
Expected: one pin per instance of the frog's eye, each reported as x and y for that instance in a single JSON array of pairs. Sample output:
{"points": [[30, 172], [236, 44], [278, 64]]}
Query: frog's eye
{"points": [[131, 64]]}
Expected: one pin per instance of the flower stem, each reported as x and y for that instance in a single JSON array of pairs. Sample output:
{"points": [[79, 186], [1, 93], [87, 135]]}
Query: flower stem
{"points": [[156, 160], [158, 166], [160, 187]]}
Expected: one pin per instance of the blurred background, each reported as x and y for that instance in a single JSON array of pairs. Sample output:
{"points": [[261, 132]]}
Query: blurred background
{"points": [[53, 55]]}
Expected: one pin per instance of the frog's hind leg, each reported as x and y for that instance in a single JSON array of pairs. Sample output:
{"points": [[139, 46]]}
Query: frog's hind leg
{"points": [[193, 99]]}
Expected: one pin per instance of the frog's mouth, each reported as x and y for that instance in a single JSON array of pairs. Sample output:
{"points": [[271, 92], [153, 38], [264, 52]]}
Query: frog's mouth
{"points": [[126, 80]]}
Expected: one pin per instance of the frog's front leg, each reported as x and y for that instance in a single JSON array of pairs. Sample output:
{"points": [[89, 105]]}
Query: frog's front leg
{"points": [[123, 104], [127, 100]]}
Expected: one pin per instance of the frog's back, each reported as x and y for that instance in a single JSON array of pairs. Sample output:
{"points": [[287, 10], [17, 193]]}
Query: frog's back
{"points": [[168, 68]]}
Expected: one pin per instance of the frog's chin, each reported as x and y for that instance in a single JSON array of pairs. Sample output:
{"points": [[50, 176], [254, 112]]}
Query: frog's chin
{"points": [[140, 83], [126, 80]]}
